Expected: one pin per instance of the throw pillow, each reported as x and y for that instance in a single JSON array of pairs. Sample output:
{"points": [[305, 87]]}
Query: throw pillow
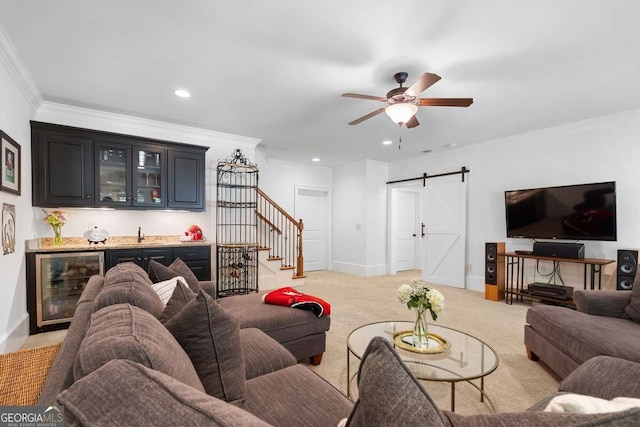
{"points": [[125, 285], [123, 331], [165, 288], [183, 270], [579, 403], [179, 298], [388, 392], [211, 338], [159, 272]]}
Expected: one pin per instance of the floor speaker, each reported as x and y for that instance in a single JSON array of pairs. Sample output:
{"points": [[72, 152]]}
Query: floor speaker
{"points": [[494, 271], [627, 269]]}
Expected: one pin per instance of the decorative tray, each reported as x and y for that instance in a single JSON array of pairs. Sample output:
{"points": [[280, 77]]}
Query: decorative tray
{"points": [[437, 344]]}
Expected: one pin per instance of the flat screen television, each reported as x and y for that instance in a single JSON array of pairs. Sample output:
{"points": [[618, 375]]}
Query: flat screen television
{"points": [[569, 212]]}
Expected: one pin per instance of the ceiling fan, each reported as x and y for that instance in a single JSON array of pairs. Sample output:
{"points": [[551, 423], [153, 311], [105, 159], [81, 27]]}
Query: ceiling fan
{"points": [[404, 102]]}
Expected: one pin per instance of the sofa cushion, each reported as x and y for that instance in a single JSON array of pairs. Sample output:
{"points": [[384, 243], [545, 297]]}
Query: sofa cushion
{"points": [[123, 331], [633, 309], [263, 354], [179, 298], [126, 393], [130, 267], [124, 284], [296, 396], [582, 336], [159, 272], [389, 394], [604, 377], [211, 338], [281, 323]]}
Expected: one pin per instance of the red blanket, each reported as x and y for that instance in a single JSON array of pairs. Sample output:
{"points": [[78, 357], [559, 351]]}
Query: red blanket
{"points": [[289, 297]]}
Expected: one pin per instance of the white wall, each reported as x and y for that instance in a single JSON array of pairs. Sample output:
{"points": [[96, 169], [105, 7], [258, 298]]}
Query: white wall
{"points": [[16, 109], [600, 149], [376, 217], [278, 179], [360, 218]]}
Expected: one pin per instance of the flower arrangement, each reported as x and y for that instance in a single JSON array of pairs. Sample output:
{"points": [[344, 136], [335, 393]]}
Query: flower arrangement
{"points": [[418, 295], [56, 219]]}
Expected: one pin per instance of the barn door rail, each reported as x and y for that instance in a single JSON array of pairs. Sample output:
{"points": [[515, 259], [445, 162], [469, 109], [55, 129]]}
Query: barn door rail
{"points": [[425, 176]]}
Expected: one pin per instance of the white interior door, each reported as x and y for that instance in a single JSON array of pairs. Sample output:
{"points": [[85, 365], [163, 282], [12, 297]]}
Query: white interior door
{"points": [[312, 206], [406, 233], [445, 231]]}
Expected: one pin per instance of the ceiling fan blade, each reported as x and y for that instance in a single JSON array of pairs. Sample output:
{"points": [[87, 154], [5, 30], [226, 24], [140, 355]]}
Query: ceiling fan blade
{"points": [[425, 80], [413, 122], [368, 116], [355, 95], [445, 102]]}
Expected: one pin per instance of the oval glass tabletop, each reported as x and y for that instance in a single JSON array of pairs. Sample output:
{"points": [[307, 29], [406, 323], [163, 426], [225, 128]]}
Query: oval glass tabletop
{"points": [[466, 357]]}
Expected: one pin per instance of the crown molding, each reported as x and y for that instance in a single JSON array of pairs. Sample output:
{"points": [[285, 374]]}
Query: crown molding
{"points": [[69, 115], [17, 71]]}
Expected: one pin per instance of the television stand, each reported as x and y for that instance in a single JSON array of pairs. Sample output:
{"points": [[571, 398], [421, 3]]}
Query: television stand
{"points": [[515, 265]]}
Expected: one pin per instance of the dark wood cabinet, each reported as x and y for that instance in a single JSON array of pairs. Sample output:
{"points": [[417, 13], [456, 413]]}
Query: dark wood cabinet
{"points": [[142, 257], [63, 169], [74, 167], [185, 168], [197, 258]]}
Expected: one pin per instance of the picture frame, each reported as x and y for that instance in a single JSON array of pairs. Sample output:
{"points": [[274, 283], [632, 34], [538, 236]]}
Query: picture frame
{"points": [[8, 229], [10, 179]]}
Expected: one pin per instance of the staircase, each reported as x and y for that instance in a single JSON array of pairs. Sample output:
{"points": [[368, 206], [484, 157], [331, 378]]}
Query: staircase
{"points": [[280, 260]]}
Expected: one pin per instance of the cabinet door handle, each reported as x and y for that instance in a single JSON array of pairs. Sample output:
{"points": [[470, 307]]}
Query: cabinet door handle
{"points": [[87, 196]]}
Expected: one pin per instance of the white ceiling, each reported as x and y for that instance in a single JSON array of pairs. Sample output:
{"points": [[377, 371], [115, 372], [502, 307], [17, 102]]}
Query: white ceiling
{"points": [[275, 70]]}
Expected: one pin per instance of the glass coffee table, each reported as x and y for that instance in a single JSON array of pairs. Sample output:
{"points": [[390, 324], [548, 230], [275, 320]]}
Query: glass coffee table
{"points": [[465, 357]]}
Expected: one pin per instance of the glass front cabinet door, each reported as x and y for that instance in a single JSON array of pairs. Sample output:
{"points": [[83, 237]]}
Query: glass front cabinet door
{"points": [[149, 187], [114, 175], [60, 279]]}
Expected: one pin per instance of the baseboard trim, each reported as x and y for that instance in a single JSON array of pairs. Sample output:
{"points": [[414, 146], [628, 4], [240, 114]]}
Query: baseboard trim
{"points": [[359, 269], [16, 336]]}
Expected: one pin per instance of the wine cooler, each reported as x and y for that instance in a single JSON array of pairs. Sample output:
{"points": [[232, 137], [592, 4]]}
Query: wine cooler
{"points": [[60, 278]]}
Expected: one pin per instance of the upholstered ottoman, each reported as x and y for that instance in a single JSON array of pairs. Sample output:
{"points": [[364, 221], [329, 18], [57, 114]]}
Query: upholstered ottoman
{"points": [[299, 331]]}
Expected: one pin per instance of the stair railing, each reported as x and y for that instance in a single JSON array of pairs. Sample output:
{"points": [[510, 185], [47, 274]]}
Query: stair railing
{"points": [[280, 233]]}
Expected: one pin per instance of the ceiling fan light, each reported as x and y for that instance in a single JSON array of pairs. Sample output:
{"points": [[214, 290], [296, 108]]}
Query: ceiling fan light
{"points": [[401, 112]]}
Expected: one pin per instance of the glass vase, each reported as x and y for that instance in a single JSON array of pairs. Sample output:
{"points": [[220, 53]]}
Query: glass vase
{"points": [[421, 330], [57, 234]]}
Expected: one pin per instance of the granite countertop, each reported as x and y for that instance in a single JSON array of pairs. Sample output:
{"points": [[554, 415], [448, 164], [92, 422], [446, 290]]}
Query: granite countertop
{"points": [[72, 244]]}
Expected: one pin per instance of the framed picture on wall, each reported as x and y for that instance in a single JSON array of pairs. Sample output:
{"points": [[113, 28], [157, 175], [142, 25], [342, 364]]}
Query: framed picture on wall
{"points": [[10, 180], [8, 229]]}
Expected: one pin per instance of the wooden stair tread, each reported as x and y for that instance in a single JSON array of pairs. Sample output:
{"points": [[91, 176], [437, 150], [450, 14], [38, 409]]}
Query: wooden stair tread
{"points": [[275, 258], [289, 267]]}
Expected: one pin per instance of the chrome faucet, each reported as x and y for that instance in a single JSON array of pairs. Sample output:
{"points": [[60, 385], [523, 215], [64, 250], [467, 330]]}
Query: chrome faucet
{"points": [[140, 235]]}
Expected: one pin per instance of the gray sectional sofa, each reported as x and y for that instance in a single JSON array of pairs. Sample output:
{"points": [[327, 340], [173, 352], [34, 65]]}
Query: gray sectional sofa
{"points": [[120, 365], [605, 323]]}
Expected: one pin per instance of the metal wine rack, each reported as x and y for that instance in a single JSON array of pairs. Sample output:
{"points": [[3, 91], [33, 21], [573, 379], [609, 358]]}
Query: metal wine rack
{"points": [[236, 226]]}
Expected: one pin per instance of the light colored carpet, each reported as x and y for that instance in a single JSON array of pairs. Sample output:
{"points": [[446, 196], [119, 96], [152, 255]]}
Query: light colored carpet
{"points": [[516, 384]]}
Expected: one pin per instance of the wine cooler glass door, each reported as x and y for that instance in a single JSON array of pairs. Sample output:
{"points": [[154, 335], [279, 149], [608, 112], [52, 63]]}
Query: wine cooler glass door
{"points": [[60, 279]]}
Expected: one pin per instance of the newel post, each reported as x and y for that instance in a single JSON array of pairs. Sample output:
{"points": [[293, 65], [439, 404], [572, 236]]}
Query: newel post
{"points": [[300, 266]]}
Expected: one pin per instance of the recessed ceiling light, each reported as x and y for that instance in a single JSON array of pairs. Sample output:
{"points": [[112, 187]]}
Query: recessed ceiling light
{"points": [[387, 142], [182, 93], [315, 159], [451, 145]]}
